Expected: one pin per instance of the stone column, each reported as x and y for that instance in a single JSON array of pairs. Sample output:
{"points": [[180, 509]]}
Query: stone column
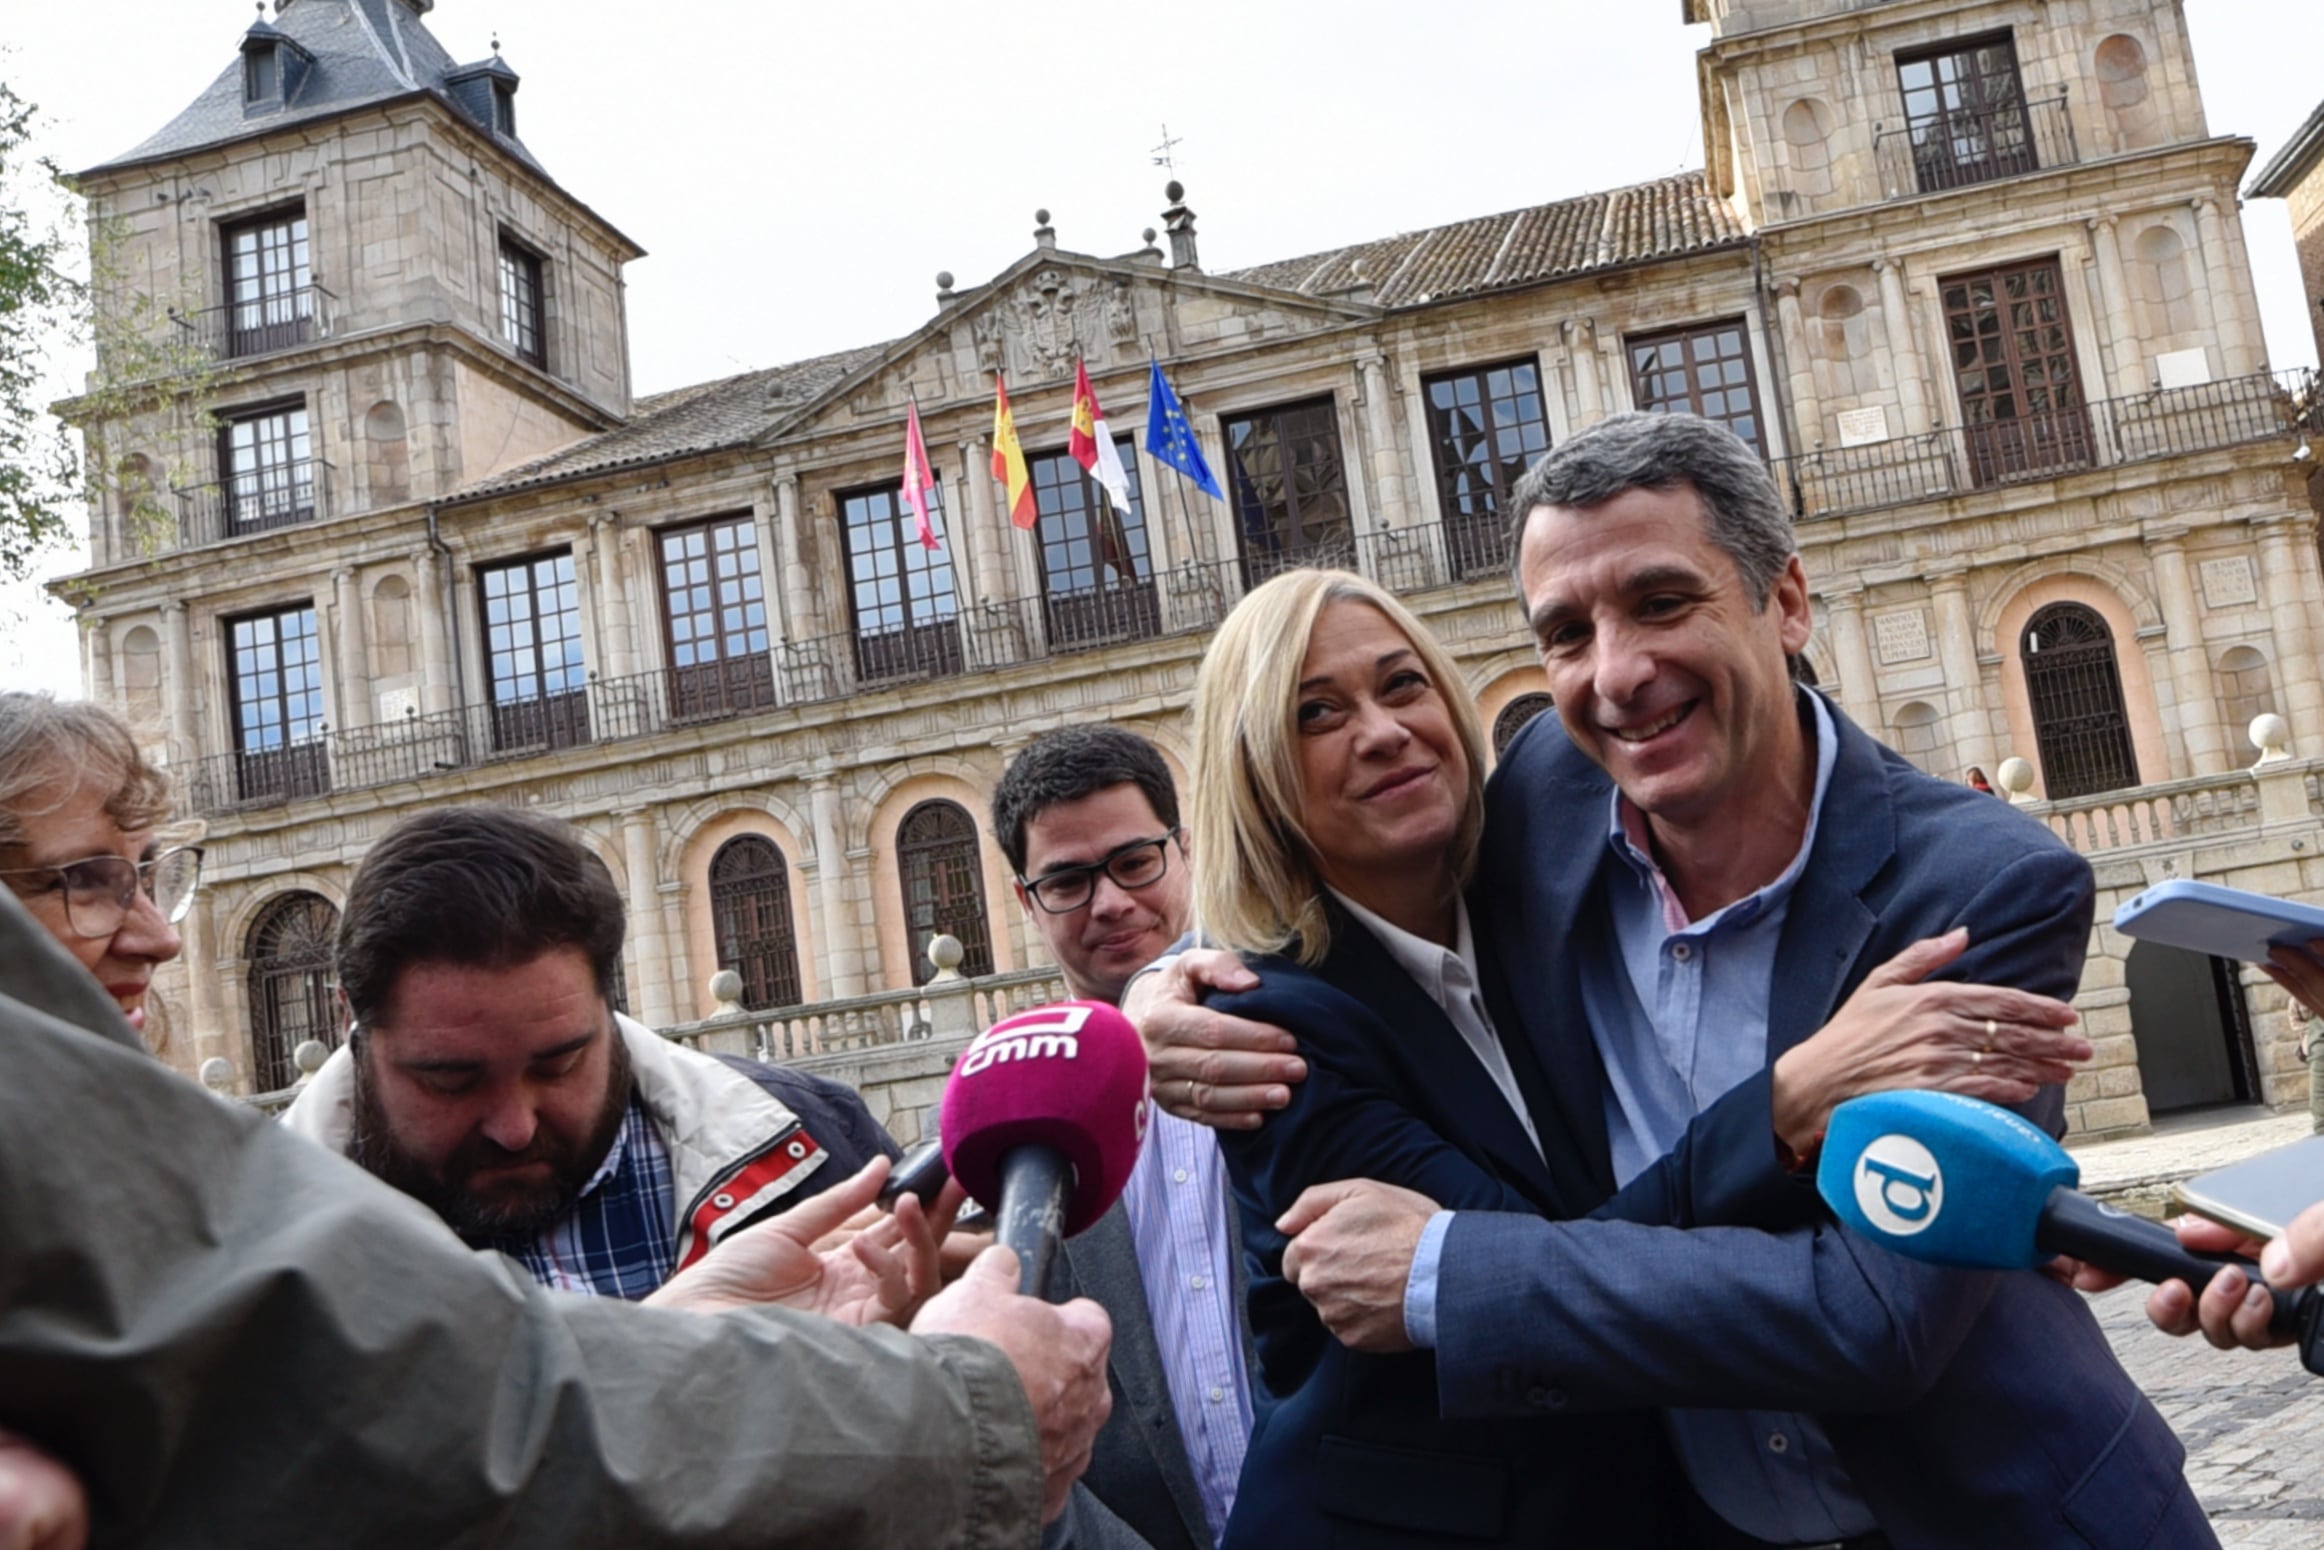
{"points": [[97, 662], [1859, 684], [1582, 350], [1896, 321], [435, 643], [354, 655], [988, 548], [839, 949], [184, 715], [200, 933], [1614, 362], [801, 621], [1807, 408], [617, 641], [1392, 507], [1970, 728], [2286, 553], [2217, 286], [2120, 332], [646, 921], [2206, 745]]}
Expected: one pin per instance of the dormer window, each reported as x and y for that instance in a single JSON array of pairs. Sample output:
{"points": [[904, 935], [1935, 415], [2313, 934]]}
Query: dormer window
{"points": [[261, 76], [504, 108]]}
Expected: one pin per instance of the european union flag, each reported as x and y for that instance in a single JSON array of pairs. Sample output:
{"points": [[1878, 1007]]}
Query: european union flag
{"points": [[1169, 439]]}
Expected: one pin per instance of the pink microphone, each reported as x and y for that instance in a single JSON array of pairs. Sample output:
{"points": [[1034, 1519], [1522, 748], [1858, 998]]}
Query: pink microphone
{"points": [[1042, 1122]]}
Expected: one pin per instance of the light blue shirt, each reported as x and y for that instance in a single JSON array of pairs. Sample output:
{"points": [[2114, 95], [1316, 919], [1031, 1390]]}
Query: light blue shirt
{"points": [[1177, 1206], [1680, 1015]]}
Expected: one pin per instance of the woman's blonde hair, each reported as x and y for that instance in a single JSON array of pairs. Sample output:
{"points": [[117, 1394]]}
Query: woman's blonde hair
{"points": [[50, 749], [1257, 888]]}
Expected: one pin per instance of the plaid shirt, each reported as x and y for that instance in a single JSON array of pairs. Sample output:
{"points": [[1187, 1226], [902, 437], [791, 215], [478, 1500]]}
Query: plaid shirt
{"points": [[616, 1241]]}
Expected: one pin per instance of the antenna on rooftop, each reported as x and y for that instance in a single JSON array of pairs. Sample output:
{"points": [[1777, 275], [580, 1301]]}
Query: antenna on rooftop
{"points": [[1170, 142]]}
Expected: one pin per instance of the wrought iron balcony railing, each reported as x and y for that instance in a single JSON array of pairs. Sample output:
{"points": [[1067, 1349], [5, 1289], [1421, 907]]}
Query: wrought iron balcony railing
{"points": [[258, 325], [1955, 149], [2168, 422], [257, 501], [979, 638]]}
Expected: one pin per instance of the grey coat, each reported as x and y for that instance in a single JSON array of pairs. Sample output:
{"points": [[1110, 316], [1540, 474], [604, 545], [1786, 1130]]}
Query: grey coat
{"points": [[235, 1344]]}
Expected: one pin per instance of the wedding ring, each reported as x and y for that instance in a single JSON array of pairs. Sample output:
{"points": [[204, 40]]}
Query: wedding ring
{"points": [[1976, 1059], [1992, 1031], [1190, 1100]]}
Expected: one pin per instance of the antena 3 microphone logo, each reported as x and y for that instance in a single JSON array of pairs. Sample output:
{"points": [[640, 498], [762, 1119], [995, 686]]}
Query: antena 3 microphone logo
{"points": [[1899, 1187], [1052, 1033]]}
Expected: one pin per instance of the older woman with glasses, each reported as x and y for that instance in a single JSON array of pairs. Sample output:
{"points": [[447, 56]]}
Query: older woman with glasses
{"points": [[79, 806]]}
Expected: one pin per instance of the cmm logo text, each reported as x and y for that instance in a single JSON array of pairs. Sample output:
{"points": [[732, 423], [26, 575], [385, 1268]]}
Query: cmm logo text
{"points": [[1052, 1033]]}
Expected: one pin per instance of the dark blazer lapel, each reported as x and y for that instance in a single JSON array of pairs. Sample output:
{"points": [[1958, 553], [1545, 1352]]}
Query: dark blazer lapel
{"points": [[1826, 923], [1105, 1266], [1359, 964]]}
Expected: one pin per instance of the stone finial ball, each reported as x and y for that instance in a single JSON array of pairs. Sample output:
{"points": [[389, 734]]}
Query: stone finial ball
{"points": [[946, 952], [310, 1055], [2270, 732], [944, 279], [726, 988], [1149, 234], [217, 1073], [1175, 191], [1041, 217], [2016, 776]]}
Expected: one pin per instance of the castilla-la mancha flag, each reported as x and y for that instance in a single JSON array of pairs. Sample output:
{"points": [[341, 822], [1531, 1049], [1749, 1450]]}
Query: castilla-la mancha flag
{"points": [[1009, 458], [1092, 445]]}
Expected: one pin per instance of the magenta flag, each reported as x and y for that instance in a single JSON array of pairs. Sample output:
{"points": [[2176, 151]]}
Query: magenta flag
{"points": [[919, 482]]}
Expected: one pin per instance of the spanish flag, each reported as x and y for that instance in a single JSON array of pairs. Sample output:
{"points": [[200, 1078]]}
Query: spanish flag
{"points": [[1009, 458]]}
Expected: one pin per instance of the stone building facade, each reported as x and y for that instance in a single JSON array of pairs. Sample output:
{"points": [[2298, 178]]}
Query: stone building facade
{"points": [[1968, 272]]}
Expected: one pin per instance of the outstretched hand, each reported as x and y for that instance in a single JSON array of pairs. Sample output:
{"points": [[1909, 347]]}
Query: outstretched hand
{"points": [[879, 1275]]}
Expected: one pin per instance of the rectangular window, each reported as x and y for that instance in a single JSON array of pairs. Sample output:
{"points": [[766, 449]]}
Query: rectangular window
{"points": [[900, 594], [2013, 361], [260, 76], [1097, 571], [1704, 370], [522, 316], [267, 466], [714, 615], [275, 661], [1965, 113], [532, 653], [1485, 428], [1290, 488], [270, 293], [504, 109]]}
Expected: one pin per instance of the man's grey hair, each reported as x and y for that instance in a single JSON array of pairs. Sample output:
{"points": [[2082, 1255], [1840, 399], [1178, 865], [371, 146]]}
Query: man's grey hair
{"points": [[1659, 452]]}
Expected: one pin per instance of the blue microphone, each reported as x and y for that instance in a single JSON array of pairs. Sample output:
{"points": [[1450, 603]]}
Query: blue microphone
{"points": [[1957, 1181]]}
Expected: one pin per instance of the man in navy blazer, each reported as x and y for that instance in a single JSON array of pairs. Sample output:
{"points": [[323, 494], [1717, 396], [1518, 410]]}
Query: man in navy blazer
{"points": [[1687, 872]]}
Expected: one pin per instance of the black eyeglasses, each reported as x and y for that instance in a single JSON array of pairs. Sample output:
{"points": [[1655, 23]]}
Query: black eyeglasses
{"points": [[100, 892], [1139, 864]]}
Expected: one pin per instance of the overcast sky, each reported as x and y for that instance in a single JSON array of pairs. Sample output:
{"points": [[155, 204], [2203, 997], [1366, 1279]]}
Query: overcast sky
{"points": [[799, 173]]}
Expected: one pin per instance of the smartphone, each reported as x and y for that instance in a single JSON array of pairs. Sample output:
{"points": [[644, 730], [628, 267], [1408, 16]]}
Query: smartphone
{"points": [[2260, 1194], [920, 1172], [2224, 922]]}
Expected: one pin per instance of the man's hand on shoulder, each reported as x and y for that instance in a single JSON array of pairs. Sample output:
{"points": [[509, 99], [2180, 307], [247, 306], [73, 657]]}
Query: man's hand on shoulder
{"points": [[1225, 1072], [1351, 1251], [1059, 1354]]}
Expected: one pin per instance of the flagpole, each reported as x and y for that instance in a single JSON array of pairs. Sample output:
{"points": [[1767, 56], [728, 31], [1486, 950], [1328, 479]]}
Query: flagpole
{"points": [[1185, 517]]}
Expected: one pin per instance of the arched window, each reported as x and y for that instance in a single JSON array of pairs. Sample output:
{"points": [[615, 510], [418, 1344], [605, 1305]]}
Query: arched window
{"points": [[750, 914], [2075, 690], [1513, 717], [291, 998], [943, 886]]}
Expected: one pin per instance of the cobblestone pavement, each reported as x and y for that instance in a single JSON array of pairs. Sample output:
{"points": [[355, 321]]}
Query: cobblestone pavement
{"points": [[2253, 1422]]}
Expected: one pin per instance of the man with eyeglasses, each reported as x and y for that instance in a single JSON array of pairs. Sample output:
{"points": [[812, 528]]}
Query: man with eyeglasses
{"points": [[1088, 818]]}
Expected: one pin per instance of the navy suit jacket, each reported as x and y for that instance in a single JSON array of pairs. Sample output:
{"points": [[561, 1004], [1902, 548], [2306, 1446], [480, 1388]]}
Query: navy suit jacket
{"points": [[1351, 1451], [1971, 1408]]}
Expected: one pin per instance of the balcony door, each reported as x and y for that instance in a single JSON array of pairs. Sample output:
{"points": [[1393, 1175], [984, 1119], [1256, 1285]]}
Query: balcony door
{"points": [[1964, 109], [1097, 574], [2013, 362], [907, 622], [1290, 488], [277, 666], [532, 653], [267, 461], [269, 290], [714, 616]]}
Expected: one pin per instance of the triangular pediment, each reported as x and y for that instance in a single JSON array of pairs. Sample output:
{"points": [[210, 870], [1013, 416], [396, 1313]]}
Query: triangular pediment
{"points": [[1037, 316]]}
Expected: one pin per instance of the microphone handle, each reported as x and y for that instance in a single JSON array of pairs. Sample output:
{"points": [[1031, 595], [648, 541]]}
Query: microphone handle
{"points": [[2073, 1223], [1036, 1186]]}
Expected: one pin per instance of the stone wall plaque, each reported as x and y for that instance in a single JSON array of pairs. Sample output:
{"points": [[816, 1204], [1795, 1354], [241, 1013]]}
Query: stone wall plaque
{"points": [[1862, 427], [1903, 637], [2227, 581], [398, 704]]}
